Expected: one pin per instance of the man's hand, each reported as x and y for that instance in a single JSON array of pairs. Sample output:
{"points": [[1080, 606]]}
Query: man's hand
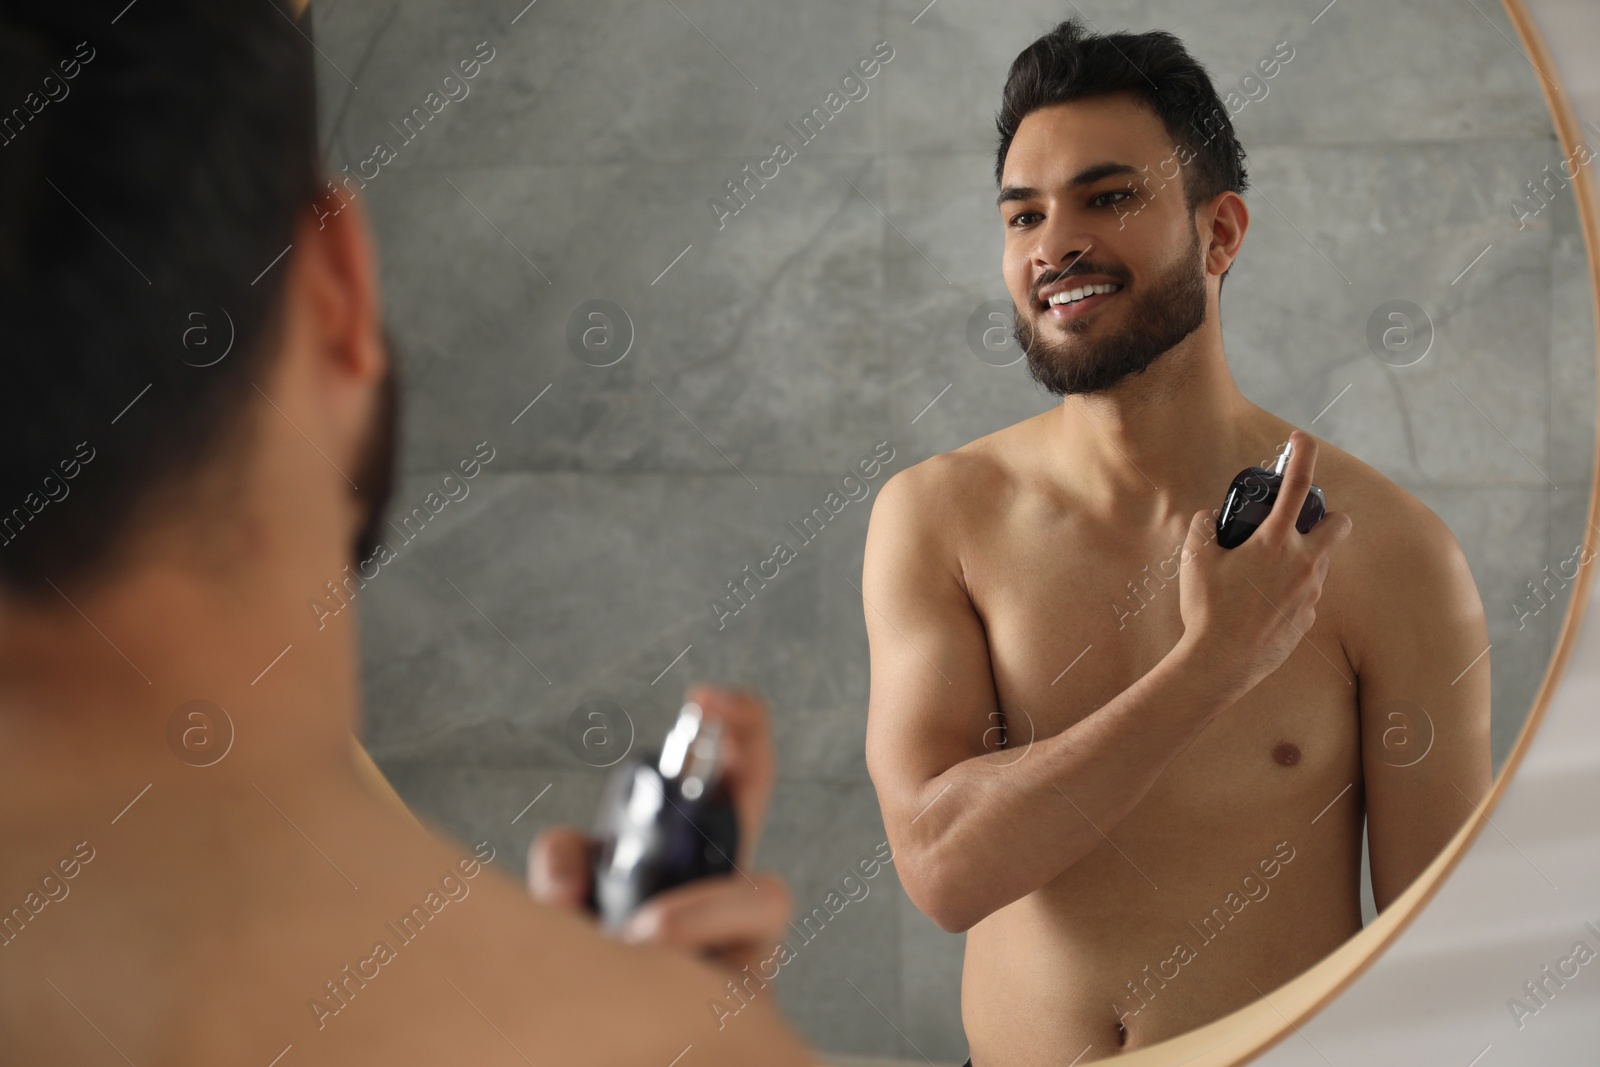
{"points": [[1245, 609], [735, 918]]}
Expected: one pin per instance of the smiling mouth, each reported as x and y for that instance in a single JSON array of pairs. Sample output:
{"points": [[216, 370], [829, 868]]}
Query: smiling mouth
{"points": [[1071, 303]]}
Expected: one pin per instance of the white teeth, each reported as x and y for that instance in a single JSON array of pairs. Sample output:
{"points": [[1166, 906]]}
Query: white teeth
{"points": [[1072, 296]]}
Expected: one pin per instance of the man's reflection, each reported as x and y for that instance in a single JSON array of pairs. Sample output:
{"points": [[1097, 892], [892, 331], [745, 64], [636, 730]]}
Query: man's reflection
{"points": [[1169, 823]]}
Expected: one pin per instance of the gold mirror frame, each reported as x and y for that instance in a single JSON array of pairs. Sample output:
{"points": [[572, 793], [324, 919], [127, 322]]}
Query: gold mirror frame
{"points": [[1245, 1034]]}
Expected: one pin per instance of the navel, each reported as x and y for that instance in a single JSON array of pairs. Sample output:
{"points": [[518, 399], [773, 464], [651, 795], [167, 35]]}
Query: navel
{"points": [[1286, 753]]}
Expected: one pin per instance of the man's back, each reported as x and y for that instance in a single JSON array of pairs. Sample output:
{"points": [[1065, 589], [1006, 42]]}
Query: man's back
{"points": [[226, 920], [1239, 868], [258, 905]]}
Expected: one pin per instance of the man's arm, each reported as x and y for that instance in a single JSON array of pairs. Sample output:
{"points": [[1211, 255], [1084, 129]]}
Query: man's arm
{"points": [[974, 828], [1419, 645]]}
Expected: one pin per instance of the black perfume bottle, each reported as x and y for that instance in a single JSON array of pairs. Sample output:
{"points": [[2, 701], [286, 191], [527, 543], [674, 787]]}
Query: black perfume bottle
{"points": [[663, 821], [1250, 498]]}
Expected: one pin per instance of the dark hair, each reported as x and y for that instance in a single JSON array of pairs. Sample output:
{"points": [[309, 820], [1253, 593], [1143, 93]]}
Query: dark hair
{"points": [[154, 159], [1069, 64]]}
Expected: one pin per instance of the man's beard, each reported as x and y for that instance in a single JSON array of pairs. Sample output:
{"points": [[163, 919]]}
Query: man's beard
{"points": [[375, 473], [1162, 314]]}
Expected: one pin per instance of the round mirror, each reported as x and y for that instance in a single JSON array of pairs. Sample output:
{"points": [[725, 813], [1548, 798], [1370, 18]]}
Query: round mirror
{"points": [[690, 284]]}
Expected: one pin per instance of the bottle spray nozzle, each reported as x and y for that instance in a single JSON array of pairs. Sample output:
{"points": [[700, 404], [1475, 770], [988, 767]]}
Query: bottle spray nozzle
{"points": [[691, 752], [1283, 458]]}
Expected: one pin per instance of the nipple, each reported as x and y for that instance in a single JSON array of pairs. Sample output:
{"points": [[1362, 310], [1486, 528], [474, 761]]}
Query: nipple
{"points": [[1286, 753]]}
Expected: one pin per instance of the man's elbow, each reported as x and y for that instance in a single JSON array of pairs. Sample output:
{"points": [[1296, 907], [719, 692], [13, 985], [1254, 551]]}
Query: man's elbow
{"points": [[942, 897]]}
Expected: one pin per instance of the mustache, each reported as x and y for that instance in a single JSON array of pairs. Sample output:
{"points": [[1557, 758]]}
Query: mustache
{"points": [[1080, 267]]}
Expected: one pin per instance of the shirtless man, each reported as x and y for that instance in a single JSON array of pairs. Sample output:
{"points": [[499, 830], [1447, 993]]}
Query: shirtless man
{"points": [[1131, 764], [168, 897]]}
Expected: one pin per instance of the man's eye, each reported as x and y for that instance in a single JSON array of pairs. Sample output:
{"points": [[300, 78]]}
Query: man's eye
{"points": [[1026, 214], [1111, 192]]}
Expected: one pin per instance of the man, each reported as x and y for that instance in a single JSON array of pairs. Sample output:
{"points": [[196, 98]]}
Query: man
{"points": [[172, 501], [1131, 764]]}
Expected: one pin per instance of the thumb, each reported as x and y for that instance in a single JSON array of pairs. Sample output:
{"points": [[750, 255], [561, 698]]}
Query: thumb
{"points": [[558, 867]]}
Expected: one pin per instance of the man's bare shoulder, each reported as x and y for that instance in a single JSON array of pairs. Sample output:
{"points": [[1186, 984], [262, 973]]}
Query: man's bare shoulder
{"points": [[936, 516], [980, 472], [1397, 525], [1401, 561]]}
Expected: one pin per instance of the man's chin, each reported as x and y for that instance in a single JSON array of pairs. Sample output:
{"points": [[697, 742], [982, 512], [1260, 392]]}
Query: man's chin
{"points": [[1081, 381]]}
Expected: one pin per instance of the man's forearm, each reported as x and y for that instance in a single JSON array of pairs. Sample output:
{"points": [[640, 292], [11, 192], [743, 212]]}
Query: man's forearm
{"points": [[1015, 819]]}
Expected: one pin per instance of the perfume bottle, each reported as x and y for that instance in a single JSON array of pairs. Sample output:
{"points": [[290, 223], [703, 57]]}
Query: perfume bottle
{"points": [[1250, 498], [663, 821]]}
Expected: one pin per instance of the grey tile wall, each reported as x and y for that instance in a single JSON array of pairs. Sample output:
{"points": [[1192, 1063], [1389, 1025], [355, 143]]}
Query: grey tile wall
{"points": [[768, 356]]}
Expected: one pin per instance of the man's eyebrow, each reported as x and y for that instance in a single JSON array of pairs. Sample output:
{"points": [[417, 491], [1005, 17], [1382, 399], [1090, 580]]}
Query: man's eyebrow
{"points": [[1087, 176]]}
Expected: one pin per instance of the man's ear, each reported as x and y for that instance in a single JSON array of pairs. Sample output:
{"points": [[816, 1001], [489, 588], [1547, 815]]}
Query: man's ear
{"points": [[332, 377], [1229, 219], [337, 277]]}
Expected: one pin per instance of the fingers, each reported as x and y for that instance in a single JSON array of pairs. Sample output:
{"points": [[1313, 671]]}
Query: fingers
{"points": [[1326, 535], [723, 913], [749, 760], [1296, 484], [558, 867]]}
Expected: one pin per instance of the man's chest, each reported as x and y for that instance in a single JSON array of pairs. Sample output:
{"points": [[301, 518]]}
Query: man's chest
{"points": [[1070, 630]]}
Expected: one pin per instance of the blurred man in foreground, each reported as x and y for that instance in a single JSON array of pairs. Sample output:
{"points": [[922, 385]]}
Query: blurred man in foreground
{"points": [[167, 509]]}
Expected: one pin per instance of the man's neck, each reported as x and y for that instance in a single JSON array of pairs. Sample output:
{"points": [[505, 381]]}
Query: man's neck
{"points": [[163, 676], [1145, 451]]}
